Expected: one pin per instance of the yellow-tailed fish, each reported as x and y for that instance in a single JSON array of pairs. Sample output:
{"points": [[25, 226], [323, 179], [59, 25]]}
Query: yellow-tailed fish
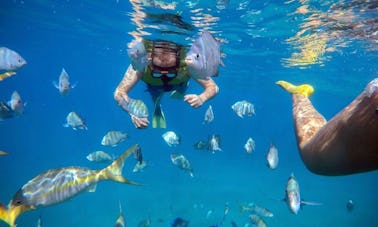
{"points": [[120, 222], [58, 185], [2, 153]]}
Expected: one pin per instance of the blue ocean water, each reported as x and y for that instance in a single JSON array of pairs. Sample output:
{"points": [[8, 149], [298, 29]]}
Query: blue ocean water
{"points": [[89, 39]]}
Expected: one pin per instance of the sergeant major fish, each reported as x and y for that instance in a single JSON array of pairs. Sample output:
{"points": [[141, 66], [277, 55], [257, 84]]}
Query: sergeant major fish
{"points": [[16, 103], [262, 211], [171, 138], [58, 185], [99, 156], [249, 146], [209, 115], [293, 197], [10, 61], [113, 138], [74, 121], [64, 84], [214, 143], [182, 162], [204, 57], [272, 157], [243, 108], [136, 107], [138, 56]]}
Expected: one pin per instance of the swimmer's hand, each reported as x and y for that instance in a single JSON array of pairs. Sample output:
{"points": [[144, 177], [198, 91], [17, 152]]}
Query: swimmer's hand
{"points": [[194, 100], [139, 122]]}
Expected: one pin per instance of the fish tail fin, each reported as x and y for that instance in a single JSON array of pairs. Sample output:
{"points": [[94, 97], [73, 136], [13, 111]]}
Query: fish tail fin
{"points": [[158, 118], [6, 75], [304, 89], [114, 171], [9, 216]]}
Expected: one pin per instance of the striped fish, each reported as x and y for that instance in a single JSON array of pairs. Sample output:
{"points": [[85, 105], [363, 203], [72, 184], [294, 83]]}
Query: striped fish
{"points": [[113, 138], [74, 121], [136, 107], [120, 222], [58, 185], [10, 60], [257, 220]]}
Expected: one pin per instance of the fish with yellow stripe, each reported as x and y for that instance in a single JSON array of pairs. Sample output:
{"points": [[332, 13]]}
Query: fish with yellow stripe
{"points": [[58, 185]]}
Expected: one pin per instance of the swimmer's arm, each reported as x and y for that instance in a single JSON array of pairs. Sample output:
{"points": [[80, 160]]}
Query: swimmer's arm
{"points": [[129, 80], [210, 90]]}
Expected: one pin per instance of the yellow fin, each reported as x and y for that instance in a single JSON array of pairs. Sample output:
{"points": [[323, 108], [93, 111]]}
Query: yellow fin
{"points": [[114, 171], [158, 119], [10, 215], [304, 89], [6, 75]]}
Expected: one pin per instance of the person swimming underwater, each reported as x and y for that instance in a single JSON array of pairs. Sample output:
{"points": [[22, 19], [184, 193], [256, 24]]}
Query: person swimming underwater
{"points": [[166, 72], [346, 144]]}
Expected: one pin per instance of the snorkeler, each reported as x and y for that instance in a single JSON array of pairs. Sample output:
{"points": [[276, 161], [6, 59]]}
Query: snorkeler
{"points": [[346, 144]]}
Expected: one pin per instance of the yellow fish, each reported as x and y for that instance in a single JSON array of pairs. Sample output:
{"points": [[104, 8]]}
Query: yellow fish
{"points": [[58, 185], [6, 75], [2, 153]]}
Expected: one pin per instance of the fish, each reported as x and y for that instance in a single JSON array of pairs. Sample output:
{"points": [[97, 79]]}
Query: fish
{"points": [[99, 156], [182, 162], [2, 153], [120, 222], [58, 185], [179, 222], [171, 138], [113, 138], [138, 56], [136, 107], [39, 222], [74, 121], [243, 108], [5, 111], [249, 146], [140, 166], [209, 115], [272, 157], [257, 220], [145, 223], [204, 57], [293, 197], [64, 85], [16, 103], [200, 145], [261, 211], [350, 205], [214, 143], [10, 61]]}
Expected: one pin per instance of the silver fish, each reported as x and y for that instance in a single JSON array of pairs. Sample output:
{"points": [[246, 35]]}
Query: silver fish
{"points": [[257, 220], [99, 156], [249, 146], [136, 107], [214, 143], [261, 211], [171, 138], [10, 60], [139, 166], [243, 108], [58, 185], [272, 157], [204, 57], [182, 162], [209, 115], [293, 197], [120, 222], [64, 84], [138, 55], [113, 138], [16, 103], [74, 121]]}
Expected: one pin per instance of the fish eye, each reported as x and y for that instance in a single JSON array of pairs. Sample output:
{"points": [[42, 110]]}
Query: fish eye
{"points": [[197, 56]]}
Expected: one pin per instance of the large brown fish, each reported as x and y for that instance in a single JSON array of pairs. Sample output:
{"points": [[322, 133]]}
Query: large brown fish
{"points": [[58, 185]]}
